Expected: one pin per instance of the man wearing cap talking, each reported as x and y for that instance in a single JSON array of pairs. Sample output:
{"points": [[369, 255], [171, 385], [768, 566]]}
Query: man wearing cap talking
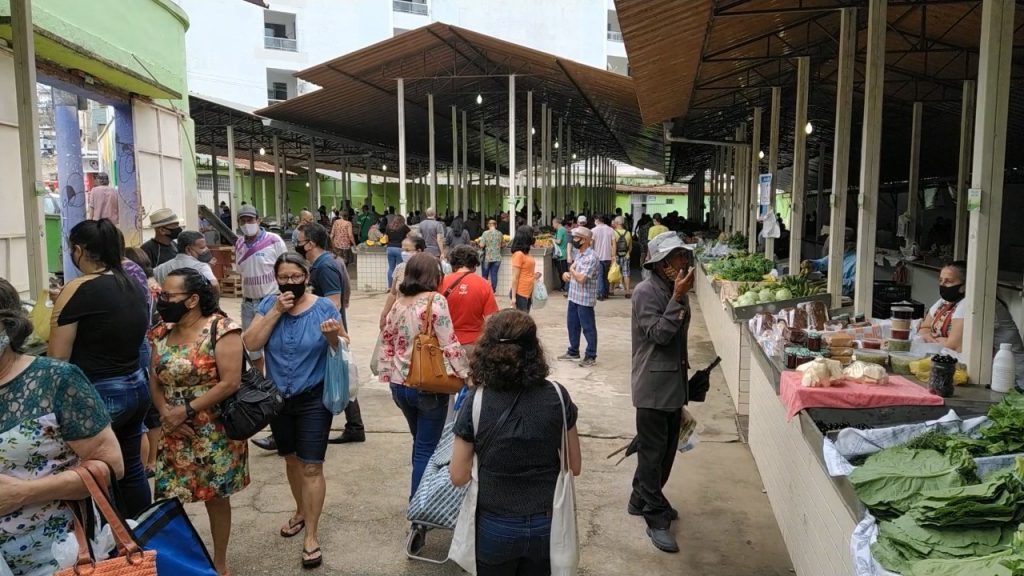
{"points": [[582, 278], [661, 320], [166, 226]]}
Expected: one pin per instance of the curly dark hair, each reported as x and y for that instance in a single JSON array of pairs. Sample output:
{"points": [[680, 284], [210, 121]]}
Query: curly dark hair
{"points": [[196, 283], [508, 355], [464, 256]]}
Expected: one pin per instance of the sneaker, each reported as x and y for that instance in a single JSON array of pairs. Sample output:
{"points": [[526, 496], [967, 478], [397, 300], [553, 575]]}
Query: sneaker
{"points": [[569, 357], [588, 362]]}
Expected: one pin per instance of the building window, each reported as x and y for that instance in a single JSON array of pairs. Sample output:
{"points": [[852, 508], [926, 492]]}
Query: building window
{"points": [[410, 6], [277, 91], [205, 182], [279, 31]]}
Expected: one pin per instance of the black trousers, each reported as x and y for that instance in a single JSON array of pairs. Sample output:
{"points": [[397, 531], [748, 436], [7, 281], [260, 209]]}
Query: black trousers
{"points": [[561, 267], [657, 433], [353, 417]]}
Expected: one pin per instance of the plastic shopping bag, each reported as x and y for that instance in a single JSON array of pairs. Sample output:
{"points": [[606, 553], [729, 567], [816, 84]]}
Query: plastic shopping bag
{"points": [[353, 371], [40, 316], [614, 273], [336, 380], [540, 295]]}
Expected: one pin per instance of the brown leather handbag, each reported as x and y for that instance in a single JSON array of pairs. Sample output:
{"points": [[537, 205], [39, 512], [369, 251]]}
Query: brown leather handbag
{"points": [[427, 372], [131, 560]]}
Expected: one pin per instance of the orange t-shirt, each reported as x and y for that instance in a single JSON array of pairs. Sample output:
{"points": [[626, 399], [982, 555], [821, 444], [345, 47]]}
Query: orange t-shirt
{"points": [[526, 265], [469, 304]]}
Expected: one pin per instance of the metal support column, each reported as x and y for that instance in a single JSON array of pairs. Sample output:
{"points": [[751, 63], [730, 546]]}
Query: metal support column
{"points": [[773, 162], [559, 207], [68, 149], [755, 174], [277, 181], [233, 201], [480, 187], [796, 227], [402, 204], [465, 167], [314, 182], [914, 172], [512, 153], [433, 152], [457, 185], [870, 158], [530, 180], [987, 176], [964, 167], [841, 151]]}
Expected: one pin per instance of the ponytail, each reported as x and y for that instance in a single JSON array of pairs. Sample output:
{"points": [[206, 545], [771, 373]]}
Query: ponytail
{"points": [[103, 242]]}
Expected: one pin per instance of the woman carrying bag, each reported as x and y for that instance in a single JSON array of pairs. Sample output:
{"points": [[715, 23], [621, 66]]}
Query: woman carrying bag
{"points": [[520, 519]]}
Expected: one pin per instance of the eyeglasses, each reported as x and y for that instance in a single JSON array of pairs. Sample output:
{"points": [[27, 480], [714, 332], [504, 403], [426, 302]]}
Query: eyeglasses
{"points": [[166, 296], [293, 279]]}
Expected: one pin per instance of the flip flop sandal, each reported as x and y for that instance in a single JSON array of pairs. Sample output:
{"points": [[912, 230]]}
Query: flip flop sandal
{"points": [[310, 563], [293, 528]]}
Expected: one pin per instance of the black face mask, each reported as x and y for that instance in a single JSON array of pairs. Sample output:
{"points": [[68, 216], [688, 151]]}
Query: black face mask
{"points": [[174, 232], [205, 257], [951, 293], [297, 290], [301, 249], [577, 244], [171, 312]]}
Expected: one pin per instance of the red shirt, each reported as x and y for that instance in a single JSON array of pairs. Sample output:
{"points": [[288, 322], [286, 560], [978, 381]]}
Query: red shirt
{"points": [[470, 303]]}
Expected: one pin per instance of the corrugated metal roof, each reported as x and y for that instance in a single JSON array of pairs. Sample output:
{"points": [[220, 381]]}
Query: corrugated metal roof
{"points": [[358, 97]]}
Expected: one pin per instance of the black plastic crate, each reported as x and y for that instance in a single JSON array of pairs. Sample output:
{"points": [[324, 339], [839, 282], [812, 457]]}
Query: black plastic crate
{"points": [[889, 292]]}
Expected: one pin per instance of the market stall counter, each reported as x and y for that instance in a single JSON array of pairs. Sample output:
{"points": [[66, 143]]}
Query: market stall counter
{"points": [[817, 513]]}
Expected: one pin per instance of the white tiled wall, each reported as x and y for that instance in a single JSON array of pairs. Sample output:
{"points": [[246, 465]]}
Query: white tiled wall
{"points": [[730, 344]]}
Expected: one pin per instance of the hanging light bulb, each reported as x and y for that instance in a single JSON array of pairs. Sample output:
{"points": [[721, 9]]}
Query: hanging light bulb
{"points": [[262, 151], [479, 99], [556, 144], [532, 130], [384, 167], [307, 184], [573, 155], [809, 128], [761, 154]]}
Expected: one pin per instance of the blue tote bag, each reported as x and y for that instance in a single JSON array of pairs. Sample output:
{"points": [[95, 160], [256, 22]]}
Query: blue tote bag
{"points": [[166, 528]]}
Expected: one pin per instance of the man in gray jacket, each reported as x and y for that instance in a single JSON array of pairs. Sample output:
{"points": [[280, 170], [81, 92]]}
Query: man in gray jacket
{"points": [[661, 319]]}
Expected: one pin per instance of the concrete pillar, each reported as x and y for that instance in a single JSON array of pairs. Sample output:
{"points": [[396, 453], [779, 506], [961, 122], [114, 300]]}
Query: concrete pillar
{"points": [[773, 161], [402, 204], [740, 182], [480, 187], [127, 180], [559, 207], [512, 152], [964, 167], [314, 181], [841, 150], [530, 129], [457, 185], [990, 128], [870, 157], [214, 169], [252, 175], [432, 153], [233, 202], [68, 149], [28, 141], [755, 174], [465, 167], [277, 180], [796, 227], [914, 172]]}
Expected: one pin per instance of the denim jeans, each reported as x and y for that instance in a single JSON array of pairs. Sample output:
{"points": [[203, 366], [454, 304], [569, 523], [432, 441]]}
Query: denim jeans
{"points": [[581, 318], [489, 270], [248, 313], [513, 546], [394, 259], [602, 281], [425, 414], [127, 400], [523, 304]]}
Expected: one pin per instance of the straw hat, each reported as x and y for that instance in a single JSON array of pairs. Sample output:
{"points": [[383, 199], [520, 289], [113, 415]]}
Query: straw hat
{"points": [[163, 217]]}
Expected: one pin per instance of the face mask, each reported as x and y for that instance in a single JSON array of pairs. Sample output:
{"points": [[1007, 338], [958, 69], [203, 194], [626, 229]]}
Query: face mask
{"points": [[174, 232], [951, 293], [75, 261], [250, 229], [205, 257], [577, 244], [406, 256], [301, 249], [5, 342], [171, 312], [297, 290]]}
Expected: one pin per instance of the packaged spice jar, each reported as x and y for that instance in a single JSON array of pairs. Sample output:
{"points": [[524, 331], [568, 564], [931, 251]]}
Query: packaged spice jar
{"points": [[814, 341], [817, 314]]}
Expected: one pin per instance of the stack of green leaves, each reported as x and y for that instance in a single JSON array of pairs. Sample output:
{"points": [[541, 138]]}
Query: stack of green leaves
{"points": [[1006, 433], [993, 502], [903, 542], [1005, 563], [750, 268], [891, 481], [948, 442]]}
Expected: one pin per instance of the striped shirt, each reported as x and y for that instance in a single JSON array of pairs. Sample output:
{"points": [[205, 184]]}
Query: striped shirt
{"points": [[585, 293], [255, 262]]}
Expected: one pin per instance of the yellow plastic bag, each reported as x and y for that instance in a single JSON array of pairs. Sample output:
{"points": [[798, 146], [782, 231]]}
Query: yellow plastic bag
{"points": [[40, 317], [614, 273]]}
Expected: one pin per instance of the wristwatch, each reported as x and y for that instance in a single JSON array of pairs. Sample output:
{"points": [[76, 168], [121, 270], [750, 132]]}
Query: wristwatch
{"points": [[190, 412]]}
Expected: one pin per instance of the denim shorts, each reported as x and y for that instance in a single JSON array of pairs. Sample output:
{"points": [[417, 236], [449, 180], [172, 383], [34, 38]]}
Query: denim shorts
{"points": [[303, 426], [248, 314]]}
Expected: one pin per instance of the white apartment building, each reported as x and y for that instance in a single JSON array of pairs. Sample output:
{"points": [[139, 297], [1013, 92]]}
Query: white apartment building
{"points": [[240, 53]]}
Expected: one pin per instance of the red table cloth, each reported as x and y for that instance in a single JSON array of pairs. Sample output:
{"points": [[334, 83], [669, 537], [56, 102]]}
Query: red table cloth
{"points": [[849, 394]]}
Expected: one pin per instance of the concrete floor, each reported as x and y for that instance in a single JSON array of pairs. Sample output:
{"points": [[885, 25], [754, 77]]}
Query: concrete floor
{"points": [[726, 526]]}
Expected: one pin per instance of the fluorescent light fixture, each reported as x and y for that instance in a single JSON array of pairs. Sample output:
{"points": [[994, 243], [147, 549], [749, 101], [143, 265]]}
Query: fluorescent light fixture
{"points": [[479, 99]]}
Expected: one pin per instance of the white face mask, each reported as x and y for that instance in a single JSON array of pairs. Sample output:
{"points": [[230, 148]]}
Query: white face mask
{"points": [[250, 229]]}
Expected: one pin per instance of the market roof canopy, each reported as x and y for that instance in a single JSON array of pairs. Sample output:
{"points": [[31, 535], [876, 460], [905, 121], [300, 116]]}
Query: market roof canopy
{"points": [[707, 65], [359, 97]]}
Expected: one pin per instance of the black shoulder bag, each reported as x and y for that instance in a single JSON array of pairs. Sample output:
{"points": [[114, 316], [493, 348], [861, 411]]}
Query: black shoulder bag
{"points": [[256, 402]]}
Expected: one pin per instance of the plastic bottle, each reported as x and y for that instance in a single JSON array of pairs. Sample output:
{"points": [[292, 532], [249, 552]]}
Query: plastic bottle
{"points": [[1003, 365]]}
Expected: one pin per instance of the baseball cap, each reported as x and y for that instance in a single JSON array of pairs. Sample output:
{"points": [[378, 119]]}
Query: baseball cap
{"points": [[661, 246], [248, 210], [581, 220]]}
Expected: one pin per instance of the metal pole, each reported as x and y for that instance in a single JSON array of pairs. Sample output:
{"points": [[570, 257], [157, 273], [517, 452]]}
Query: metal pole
{"points": [[964, 167], [402, 204], [796, 227], [773, 162], [252, 174], [214, 168], [841, 151], [432, 153], [755, 173], [28, 140], [277, 180], [68, 153], [512, 152], [870, 158], [530, 180], [559, 207], [314, 182], [914, 173], [454, 207], [990, 128], [480, 186], [465, 167], [233, 200]]}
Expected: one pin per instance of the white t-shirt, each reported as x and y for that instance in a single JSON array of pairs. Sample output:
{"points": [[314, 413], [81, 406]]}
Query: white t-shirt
{"points": [[183, 261], [959, 313], [255, 262]]}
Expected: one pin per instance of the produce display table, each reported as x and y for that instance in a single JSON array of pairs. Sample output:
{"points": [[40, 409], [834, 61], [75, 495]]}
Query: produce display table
{"points": [[727, 336]]}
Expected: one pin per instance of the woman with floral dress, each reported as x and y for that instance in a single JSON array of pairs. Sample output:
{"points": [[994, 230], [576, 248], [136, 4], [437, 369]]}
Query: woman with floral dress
{"points": [[190, 376], [425, 412], [51, 417]]}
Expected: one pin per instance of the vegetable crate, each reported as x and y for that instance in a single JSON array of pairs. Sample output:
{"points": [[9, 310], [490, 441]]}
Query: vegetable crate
{"points": [[748, 312]]}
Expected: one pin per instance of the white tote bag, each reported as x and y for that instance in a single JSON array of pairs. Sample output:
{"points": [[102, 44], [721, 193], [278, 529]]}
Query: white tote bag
{"points": [[463, 548], [565, 538]]}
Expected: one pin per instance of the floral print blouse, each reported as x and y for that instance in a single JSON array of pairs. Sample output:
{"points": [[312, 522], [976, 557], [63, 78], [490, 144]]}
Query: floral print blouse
{"points": [[404, 323]]}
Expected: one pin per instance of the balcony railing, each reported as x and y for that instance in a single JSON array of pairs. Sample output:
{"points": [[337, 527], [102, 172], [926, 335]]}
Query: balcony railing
{"points": [[275, 43], [409, 7], [615, 36]]}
